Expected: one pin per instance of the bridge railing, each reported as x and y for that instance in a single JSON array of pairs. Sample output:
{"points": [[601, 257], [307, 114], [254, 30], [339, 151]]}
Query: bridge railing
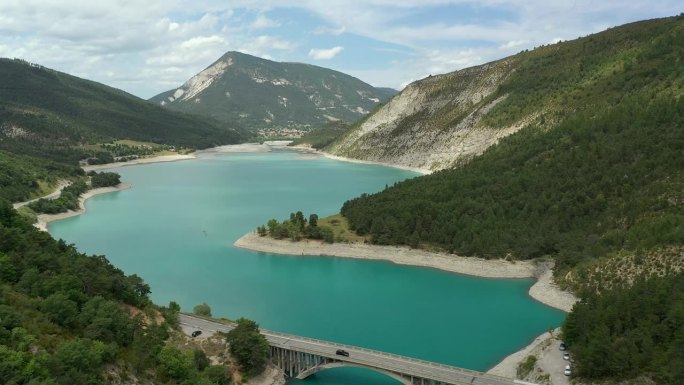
{"points": [[377, 352]]}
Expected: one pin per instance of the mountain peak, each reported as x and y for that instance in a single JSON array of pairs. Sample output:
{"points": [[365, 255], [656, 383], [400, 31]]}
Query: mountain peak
{"points": [[261, 93]]}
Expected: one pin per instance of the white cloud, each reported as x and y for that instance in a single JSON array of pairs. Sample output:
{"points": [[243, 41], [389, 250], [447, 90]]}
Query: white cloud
{"points": [[148, 47], [263, 22], [330, 31], [325, 54], [261, 45], [514, 44], [420, 65]]}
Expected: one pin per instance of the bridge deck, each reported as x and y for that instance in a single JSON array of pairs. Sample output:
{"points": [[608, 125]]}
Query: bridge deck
{"points": [[365, 357]]}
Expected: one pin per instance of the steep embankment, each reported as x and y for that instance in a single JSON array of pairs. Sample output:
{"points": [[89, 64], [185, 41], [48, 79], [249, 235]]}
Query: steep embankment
{"points": [[260, 93], [445, 120], [434, 122]]}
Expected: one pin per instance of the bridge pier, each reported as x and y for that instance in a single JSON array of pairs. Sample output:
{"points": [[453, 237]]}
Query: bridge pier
{"points": [[300, 365], [293, 363], [296, 364]]}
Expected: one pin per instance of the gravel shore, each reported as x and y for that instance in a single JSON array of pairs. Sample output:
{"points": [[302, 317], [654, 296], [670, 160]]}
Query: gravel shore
{"points": [[156, 159], [351, 160], [544, 290], [44, 219]]}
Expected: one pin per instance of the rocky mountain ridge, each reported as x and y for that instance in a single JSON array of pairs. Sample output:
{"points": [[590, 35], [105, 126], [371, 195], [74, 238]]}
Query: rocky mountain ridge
{"points": [[259, 93]]}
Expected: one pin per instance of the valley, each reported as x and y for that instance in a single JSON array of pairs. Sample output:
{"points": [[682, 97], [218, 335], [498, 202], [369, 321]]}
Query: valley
{"points": [[512, 213]]}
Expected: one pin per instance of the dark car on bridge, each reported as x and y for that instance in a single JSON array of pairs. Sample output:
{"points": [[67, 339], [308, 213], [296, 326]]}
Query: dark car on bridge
{"points": [[196, 333], [341, 352]]}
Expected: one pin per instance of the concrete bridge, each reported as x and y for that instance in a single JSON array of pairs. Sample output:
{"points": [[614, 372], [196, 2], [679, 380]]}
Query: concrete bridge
{"points": [[300, 357]]}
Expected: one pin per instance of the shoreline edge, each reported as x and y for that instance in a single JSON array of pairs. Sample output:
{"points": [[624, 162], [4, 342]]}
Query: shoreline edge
{"points": [[543, 290]]}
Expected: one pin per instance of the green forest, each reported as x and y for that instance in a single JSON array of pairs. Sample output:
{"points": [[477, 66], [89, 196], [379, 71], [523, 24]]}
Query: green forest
{"points": [[628, 333], [595, 184], [21, 176], [68, 318], [597, 176]]}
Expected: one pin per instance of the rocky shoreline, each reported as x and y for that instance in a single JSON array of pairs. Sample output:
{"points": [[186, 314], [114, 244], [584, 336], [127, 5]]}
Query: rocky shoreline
{"points": [[544, 290]]}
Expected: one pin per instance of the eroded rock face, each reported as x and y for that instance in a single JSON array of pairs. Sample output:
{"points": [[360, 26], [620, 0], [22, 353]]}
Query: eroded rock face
{"points": [[434, 123]]}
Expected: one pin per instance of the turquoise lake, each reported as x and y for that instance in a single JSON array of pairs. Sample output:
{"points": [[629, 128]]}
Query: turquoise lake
{"points": [[176, 228]]}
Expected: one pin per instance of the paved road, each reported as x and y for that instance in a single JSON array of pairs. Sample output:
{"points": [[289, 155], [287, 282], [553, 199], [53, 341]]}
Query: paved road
{"points": [[53, 195], [362, 356]]}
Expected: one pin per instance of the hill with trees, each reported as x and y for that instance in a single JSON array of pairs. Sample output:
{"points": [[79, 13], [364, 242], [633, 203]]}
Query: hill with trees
{"points": [[62, 318], [68, 318], [593, 179], [50, 120], [637, 332], [445, 120], [46, 113]]}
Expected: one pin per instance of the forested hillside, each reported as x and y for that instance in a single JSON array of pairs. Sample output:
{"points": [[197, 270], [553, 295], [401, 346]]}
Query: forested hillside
{"points": [[71, 319], [596, 184], [50, 120], [45, 113], [22, 176], [606, 177], [595, 181], [631, 333], [62, 314]]}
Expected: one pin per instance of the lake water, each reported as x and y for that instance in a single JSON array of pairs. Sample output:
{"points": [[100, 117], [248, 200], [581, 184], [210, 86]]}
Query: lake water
{"points": [[176, 228]]}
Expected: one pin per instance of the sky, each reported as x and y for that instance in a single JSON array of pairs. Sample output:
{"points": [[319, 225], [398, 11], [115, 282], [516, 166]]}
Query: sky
{"points": [[149, 46]]}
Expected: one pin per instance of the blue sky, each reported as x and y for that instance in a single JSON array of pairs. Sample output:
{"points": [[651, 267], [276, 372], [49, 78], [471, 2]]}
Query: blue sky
{"points": [[146, 47]]}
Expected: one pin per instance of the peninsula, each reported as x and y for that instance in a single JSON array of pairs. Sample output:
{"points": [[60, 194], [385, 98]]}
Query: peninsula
{"points": [[544, 290]]}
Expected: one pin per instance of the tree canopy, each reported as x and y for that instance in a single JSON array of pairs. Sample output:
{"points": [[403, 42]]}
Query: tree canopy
{"points": [[249, 347], [628, 332]]}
